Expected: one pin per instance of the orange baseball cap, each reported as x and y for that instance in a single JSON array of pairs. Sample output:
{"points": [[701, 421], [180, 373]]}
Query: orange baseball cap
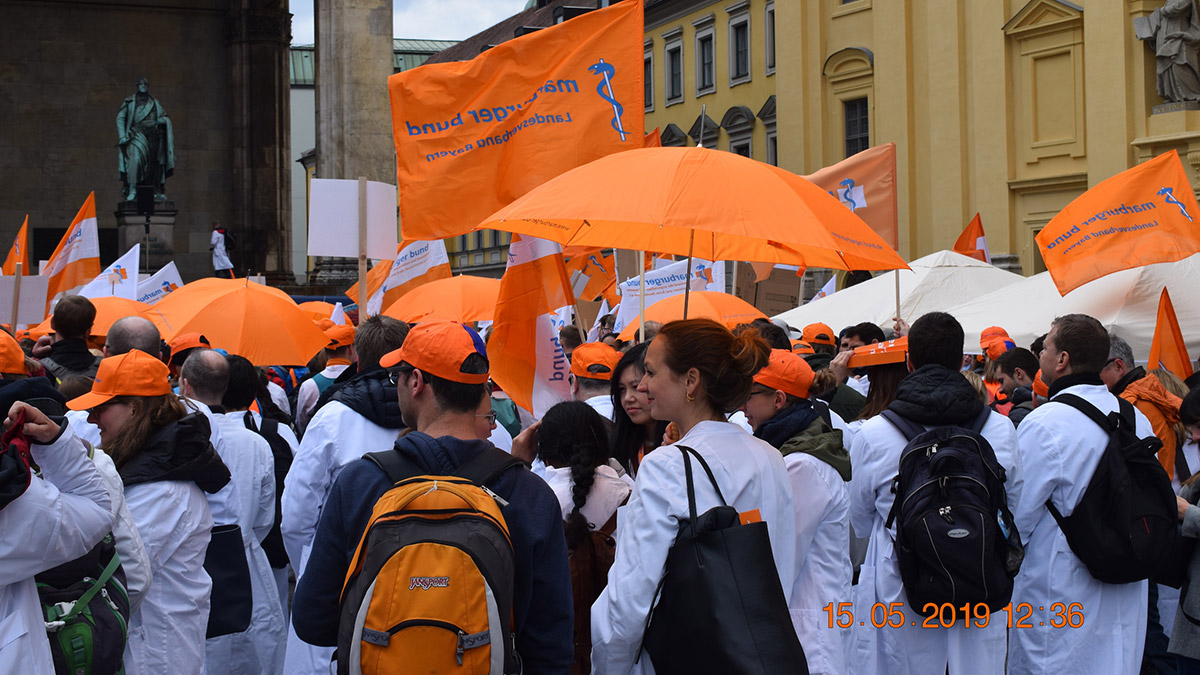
{"points": [[12, 357], [787, 372], [1039, 386], [324, 324], [994, 341], [339, 336], [878, 353], [819, 334], [134, 373], [440, 348], [802, 347], [185, 341], [594, 360]]}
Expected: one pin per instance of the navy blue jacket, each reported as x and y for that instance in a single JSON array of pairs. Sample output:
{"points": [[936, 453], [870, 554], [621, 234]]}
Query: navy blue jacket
{"points": [[542, 589]]}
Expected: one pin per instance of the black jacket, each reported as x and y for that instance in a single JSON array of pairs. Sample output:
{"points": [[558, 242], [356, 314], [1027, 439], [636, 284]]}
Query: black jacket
{"points": [[936, 395], [179, 451], [371, 395]]}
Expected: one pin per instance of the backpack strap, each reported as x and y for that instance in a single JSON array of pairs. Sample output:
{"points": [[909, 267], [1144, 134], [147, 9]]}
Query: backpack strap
{"points": [[905, 426], [397, 466], [489, 463], [1105, 422], [82, 603]]}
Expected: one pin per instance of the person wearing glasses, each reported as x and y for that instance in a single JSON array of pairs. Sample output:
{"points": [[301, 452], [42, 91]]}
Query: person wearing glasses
{"points": [[781, 413]]}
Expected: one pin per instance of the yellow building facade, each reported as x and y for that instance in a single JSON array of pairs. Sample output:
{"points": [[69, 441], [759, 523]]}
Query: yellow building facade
{"points": [[1009, 108]]}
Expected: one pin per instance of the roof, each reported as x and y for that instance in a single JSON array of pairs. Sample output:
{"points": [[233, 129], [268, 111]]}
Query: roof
{"points": [[407, 54], [505, 30]]}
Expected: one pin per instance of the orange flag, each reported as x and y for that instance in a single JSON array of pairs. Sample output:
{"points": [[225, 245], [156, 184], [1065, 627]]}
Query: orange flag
{"points": [[1168, 349], [1138, 217], [526, 358], [517, 115], [19, 253], [375, 278], [594, 275], [653, 139], [972, 242], [76, 260], [866, 184]]}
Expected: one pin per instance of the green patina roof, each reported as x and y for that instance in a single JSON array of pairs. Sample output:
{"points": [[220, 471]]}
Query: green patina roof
{"points": [[408, 54]]}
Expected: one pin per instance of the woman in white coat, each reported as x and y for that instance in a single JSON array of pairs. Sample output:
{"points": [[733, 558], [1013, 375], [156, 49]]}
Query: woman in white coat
{"points": [[59, 517], [167, 464], [696, 372]]}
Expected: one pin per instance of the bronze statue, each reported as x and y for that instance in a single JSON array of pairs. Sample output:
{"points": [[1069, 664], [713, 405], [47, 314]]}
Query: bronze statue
{"points": [[147, 144], [1175, 30]]}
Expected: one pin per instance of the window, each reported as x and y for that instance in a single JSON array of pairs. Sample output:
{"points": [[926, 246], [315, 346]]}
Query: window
{"points": [[858, 133], [648, 78], [772, 149], [674, 72], [769, 34], [706, 76], [741, 147], [739, 49]]}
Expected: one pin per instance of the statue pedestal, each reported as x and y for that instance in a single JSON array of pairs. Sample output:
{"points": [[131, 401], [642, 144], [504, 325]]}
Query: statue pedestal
{"points": [[1163, 108], [132, 230], [334, 271]]}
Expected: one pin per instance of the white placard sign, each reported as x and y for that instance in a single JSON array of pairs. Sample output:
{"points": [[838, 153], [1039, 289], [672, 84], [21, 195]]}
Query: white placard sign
{"points": [[333, 219], [32, 307]]}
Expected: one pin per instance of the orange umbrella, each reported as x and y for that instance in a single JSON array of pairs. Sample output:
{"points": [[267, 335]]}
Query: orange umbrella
{"points": [[727, 309], [711, 204], [108, 310], [463, 298], [258, 322], [317, 309]]}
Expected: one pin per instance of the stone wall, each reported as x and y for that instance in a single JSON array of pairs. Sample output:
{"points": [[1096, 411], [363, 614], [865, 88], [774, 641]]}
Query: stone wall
{"points": [[65, 68]]}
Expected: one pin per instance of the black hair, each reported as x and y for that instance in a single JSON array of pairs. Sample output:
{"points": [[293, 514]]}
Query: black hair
{"points": [[1189, 411], [885, 381], [774, 335], [1037, 345], [247, 384], [458, 396], [1018, 357], [937, 338], [574, 434], [865, 331], [629, 439]]}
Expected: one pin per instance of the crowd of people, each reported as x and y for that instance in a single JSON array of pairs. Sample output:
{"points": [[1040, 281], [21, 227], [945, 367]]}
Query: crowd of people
{"points": [[388, 503]]}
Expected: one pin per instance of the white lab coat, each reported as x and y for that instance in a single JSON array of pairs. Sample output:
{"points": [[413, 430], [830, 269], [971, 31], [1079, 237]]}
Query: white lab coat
{"points": [[220, 256], [279, 397], [134, 560], [309, 394], [223, 505], [751, 475], [1060, 450], [607, 492], [875, 455], [335, 437], [166, 633], [58, 518], [260, 649], [84, 430], [282, 574], [823, 570], [601, 404]]}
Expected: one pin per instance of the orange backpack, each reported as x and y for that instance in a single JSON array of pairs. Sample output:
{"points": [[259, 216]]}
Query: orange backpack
{"points": [[430, 587]]}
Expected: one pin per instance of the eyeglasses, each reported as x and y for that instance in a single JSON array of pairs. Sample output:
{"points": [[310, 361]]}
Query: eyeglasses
{"points": [[395, 374], [491, 417], [1111, 361]]}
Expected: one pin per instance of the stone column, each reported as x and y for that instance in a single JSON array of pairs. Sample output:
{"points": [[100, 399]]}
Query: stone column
{"points": [[259, 39], [354, 122]]}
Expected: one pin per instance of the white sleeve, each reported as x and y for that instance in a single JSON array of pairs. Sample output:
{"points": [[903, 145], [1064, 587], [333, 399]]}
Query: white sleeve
{"points": [[69, 505], [264, 514], [862, 492], [134, 559], [306, 487], [812, 498], [1039, 476]]}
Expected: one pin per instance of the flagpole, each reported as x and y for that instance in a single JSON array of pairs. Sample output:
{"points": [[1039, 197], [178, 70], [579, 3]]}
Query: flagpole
{"points": [[897, 273], [641, 296], [687, 286], [16, 298], [362, 249]]}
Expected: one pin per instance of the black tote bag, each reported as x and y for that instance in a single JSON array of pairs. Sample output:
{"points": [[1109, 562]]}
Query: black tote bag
{"points": [[232, 599], [721, 608]]}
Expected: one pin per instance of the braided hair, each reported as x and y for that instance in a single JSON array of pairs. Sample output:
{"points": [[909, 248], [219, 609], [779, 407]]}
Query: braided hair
{"points": [[573, 434]]}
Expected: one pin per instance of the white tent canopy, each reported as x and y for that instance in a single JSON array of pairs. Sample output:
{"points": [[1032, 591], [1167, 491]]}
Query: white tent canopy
{"points": [[937, 281], [1125, 302]]}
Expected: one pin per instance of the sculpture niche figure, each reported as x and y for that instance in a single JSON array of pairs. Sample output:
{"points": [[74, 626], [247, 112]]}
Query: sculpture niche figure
{"points": [[147, 144], [1175, 30]]}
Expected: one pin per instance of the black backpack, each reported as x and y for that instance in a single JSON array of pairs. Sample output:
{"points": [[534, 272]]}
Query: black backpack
{"points": [[1125, 525], [86, 610], [956, 541], [281, 452]]}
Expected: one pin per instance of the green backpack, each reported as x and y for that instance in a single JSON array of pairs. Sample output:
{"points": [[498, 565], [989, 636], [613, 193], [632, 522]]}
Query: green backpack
{"points": [[86, 609]]}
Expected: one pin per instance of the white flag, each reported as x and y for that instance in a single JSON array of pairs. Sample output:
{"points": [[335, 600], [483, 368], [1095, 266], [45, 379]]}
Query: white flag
{"points": [[665, 282], [119, 279], [338, 316], [415, 264], [158, 286], [826, 290]]}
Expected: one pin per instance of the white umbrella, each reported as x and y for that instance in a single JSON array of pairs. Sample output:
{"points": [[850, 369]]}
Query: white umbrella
{"points": [[1125, 302], [936, 282]]}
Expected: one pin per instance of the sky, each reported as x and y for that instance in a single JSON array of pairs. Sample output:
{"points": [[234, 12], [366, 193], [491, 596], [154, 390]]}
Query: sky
{"points": [[421, 19]]}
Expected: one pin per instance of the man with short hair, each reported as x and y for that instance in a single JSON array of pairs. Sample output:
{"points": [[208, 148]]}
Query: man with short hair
{"points": [[361, 415], [441, 377], [133, 332], [1060, 450], [69, 356], [821, 337], [1016, 370], [933, 394], [591, 372], [204, 377], [339, 355], [852, 338], [569, 338], [818, 467], [1128, 380]]}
